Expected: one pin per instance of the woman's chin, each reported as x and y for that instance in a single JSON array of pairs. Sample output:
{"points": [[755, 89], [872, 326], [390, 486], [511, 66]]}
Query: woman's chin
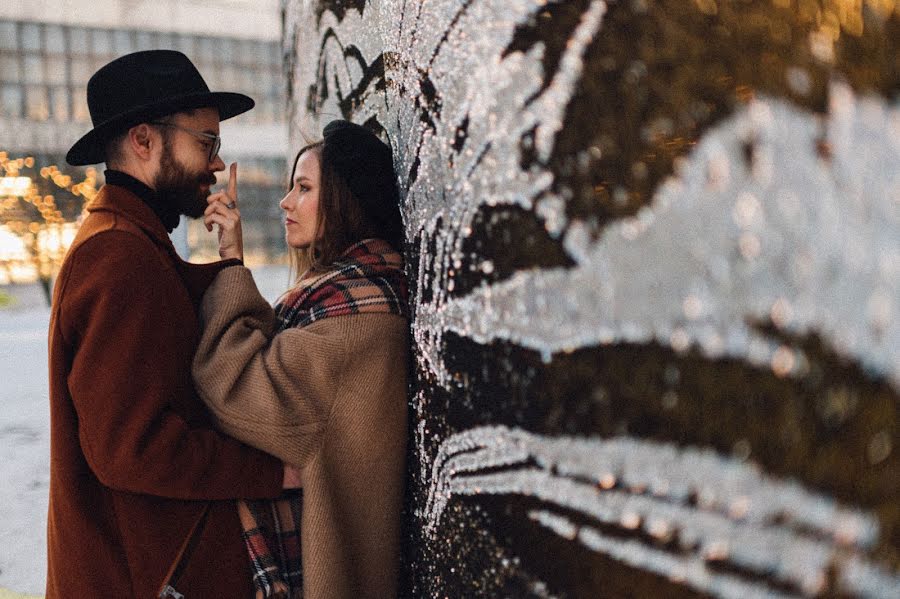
{"points": [[296, 244]]}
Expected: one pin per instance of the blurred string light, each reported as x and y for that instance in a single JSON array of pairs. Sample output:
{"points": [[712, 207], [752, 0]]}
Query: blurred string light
{"points": [[34, 232]]}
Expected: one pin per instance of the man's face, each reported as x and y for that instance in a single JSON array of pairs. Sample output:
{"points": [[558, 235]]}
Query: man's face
{"points": [[185, 171]]}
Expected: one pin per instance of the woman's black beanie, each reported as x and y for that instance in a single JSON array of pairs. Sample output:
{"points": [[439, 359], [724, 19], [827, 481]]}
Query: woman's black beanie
{"points": [[365, 162]]}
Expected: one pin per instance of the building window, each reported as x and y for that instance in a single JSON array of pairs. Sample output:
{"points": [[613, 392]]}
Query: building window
{"points": [[185, 44], [37, 105], [9, 67], [56, 70], [31, 37], [59, 104], [146, 40], [8, 37], [80, 112], [55, 39], [33, 68], [81, 71], [124, 42], [101, 43], [44, 68], [79, 41], [11, 100]]}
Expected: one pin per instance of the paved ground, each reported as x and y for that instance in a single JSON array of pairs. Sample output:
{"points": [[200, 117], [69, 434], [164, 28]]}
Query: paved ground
{"points": [[7, 594], [24, 435], [24, 448]]}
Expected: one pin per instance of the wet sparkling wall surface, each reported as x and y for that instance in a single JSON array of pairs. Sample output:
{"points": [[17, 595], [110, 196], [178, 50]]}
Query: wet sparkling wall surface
{"points": [[654, 248]]}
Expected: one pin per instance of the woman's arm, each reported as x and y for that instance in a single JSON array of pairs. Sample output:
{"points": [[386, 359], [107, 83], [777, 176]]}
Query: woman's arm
{"points": [[274, 392], [123, 395]]}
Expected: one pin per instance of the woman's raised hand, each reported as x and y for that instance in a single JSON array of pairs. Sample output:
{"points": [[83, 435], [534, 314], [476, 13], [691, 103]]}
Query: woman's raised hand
{"points": [[223, 211]]}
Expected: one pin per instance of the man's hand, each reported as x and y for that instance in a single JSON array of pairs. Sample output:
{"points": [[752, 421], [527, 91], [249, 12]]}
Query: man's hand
{"points": [[223, 211], [291, 478]]}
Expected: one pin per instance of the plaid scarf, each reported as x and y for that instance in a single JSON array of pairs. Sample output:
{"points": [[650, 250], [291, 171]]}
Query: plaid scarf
{"points": [[368, 278]]}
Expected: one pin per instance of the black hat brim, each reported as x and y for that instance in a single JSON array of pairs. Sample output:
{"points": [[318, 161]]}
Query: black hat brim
{"points": [[91, 148]]}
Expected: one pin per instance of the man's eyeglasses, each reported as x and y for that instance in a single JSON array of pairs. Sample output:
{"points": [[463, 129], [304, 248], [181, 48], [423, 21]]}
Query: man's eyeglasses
{"points": [[214, 139]]}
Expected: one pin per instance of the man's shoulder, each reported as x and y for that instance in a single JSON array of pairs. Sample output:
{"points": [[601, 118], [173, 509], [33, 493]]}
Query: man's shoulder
{"points": [[108, 246], [109, 237], [103, 226]]}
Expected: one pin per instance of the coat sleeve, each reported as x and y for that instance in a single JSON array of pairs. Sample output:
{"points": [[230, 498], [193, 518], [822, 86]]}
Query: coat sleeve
{"points": [[131, 437], [274, 392]]}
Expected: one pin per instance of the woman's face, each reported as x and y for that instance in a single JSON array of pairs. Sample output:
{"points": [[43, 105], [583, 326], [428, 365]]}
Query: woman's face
{"points": [[301, 204]]}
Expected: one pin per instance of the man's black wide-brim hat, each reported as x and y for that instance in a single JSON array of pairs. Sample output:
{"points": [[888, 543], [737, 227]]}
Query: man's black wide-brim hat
{"points": [[143, 86]]}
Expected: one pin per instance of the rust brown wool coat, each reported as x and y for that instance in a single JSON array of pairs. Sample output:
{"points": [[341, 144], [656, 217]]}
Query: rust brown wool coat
{"points": [[133, 454]]}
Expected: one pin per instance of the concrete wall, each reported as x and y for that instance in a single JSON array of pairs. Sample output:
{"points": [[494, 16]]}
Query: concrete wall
{"points": [[654, 249], [239, 140], [254, 19]]}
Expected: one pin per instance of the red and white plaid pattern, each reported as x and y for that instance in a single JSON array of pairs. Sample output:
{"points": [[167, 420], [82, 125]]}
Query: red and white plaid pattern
{"points": [[272, 536], [368, 278]]}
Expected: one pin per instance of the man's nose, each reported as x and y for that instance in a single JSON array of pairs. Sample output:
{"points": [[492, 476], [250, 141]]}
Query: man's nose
{"points": [[218, 164]]}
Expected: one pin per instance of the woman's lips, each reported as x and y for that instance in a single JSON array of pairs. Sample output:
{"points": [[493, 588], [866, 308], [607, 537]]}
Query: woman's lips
{"points": [[288, 222]]}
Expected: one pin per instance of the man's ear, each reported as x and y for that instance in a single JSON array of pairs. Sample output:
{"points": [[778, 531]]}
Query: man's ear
{"points": [[143, 140]]}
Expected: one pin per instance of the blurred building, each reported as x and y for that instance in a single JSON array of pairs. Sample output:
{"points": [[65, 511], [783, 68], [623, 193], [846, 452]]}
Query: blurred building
{"points": [[49, 50]]}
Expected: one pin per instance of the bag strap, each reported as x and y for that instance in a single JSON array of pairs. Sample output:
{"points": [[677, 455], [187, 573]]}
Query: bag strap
{"points": [[183, 557]]}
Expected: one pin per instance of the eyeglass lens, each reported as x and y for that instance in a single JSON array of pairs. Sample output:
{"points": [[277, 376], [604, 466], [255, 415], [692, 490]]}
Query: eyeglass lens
{"points": [[214, 148]]}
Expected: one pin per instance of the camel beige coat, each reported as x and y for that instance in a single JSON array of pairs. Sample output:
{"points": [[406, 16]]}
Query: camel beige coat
{"points": [[329, 398]]}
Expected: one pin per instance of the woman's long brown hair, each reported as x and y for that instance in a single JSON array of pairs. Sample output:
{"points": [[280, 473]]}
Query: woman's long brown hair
{"points": [[340, 221]]}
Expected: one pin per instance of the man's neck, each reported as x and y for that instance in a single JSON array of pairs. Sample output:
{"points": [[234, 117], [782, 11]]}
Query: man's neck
{"points": [[132, 172], [166, 213]]}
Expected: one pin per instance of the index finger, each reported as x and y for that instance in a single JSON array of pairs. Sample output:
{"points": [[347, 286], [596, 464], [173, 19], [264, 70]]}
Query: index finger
{"points": [[232, 181]]}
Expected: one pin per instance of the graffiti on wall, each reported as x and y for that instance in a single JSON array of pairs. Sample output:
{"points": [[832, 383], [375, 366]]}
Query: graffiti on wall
{"points": [[654, 250]]}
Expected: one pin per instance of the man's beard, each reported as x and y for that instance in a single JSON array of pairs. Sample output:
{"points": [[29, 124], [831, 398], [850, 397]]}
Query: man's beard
{"points": [[180, 189]]}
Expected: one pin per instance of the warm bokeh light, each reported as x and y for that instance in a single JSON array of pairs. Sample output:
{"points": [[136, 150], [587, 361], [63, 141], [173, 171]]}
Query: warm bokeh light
{"points": [[11, 245], [37, 227], [14, 186]]}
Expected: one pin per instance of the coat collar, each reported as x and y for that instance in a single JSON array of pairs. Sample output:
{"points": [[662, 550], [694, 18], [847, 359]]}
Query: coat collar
{"points": [[165, 210], [119, 200], [123, 202]]}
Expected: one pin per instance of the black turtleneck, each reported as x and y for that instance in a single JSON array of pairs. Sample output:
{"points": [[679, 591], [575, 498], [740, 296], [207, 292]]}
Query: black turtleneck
{"points": [[167, 214]]}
